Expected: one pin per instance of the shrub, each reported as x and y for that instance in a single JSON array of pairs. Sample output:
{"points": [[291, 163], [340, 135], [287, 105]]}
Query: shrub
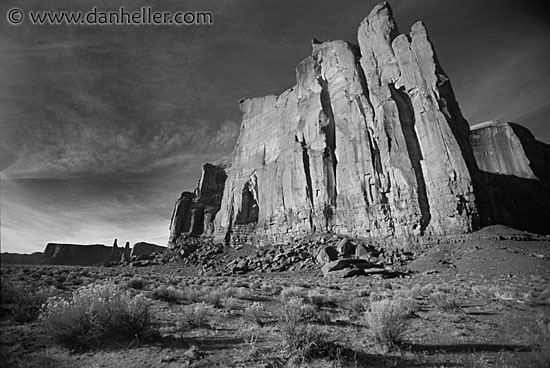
{"points": [[193, 295], [355, 307], [231, 303], [320, 300], [295, 311], [445, 302], [253, 313], [167, 294], [197, 316], [387, 321], [24, 306], [96, 314], [292, 292], [136, 283], [214, 298], [298, 339]]}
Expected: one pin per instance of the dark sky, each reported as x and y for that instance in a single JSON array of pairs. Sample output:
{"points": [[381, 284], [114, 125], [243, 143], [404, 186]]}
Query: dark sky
{"points": [[102, 127]]}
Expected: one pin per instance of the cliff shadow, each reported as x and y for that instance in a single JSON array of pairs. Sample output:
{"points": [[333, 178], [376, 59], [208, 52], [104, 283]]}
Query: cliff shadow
{"points": [[519, 202], [536, 151], [513, 201], [407, 120]]}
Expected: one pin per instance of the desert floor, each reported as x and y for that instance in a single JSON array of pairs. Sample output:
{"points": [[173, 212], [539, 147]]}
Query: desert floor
{"points": [[484, 302]]}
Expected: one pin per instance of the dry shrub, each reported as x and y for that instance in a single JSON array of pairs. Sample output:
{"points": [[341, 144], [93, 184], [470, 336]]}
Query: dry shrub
{"points": [[253, 313], [299, 340], [97, 314], [388, 321], [292, 293], [214, 298], [167, 294], [445, 302], [196, 316], [22, 305]]}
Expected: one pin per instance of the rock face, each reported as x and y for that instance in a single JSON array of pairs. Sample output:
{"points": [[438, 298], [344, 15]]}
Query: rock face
{"points": [[76, 254], [515, 176], [369, 142], [144, 249], [194, 212]]}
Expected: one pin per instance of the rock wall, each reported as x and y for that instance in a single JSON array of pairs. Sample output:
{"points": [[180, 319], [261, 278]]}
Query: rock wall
{"points": [[143, 249], [194, 212], [76, 254], [515, 176], [369, 142]]}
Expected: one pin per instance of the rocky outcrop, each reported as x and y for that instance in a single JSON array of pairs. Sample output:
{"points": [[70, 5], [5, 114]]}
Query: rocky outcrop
{"points": [[194, 213], [145, 249], [515, 176], [370, 142], [76, 254]]}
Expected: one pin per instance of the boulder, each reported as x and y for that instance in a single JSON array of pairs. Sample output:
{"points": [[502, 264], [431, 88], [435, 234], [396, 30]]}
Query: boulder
{"points": [[346, 263], [326, 254], [346, 248], [363, 252]]}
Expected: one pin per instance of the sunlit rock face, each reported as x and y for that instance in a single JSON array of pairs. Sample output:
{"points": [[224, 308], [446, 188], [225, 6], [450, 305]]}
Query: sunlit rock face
{"points": [[515, 176], [370, 142], [194, 212]]}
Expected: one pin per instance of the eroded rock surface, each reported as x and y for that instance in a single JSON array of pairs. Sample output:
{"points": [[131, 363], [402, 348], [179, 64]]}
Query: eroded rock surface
{"points": [[369, 142], [194, 213]]}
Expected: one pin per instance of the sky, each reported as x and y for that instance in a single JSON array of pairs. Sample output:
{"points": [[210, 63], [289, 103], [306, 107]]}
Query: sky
{"points": [[103, 127]]}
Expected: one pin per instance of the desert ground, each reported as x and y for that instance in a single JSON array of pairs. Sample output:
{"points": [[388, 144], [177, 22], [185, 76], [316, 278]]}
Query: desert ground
{"points": [[482, 301]]}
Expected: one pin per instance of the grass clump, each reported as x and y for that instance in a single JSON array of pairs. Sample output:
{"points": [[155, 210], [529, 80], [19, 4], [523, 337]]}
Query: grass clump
{"points": [[388, 321], [253, 313], [445, 302], [167, 294], [97, 314], [214, 298], [197, 316]]}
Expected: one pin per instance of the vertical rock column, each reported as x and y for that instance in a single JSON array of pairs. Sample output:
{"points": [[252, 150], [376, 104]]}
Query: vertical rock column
{"points": [[414, 105]]}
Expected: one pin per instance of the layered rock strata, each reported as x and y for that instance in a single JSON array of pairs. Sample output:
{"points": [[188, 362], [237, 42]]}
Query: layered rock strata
{"points": [[515, 176], [194, 212], [369, 142]]}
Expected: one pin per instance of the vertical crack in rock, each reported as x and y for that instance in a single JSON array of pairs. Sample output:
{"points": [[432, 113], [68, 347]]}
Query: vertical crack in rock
{"points": [[307, 171], [329, 130], [249, 208], [407, 120]]}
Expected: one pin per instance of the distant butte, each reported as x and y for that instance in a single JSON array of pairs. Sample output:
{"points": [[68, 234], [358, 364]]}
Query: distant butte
{"points": [[369, 143]]}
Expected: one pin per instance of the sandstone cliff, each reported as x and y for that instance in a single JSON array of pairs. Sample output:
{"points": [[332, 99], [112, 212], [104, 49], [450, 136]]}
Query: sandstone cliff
{"points": [[76, 254], [369, 142], [143, 248], [515, 176], [194, 212]]}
